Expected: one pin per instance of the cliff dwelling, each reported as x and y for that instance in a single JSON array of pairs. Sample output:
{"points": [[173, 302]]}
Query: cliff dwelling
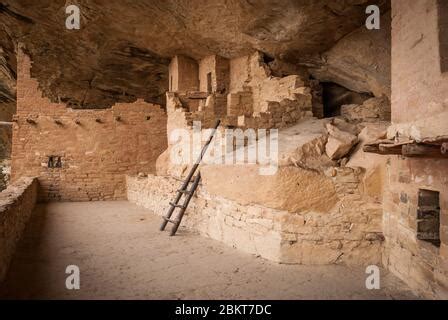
{"points": [[322, 145]]}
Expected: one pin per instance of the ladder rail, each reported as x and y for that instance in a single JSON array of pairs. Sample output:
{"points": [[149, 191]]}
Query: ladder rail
{"points": [[185, 205], [185, 184], [169, 213]]}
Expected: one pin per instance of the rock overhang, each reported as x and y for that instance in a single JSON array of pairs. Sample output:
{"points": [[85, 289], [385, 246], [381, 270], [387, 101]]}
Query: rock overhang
{"points": [[121, 52]]}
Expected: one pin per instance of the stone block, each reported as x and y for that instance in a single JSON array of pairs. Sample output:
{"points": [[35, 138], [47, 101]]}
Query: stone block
{"points": [[339, 142]]}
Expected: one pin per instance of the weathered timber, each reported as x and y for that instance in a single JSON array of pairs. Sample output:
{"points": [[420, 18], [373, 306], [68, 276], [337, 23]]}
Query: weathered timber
{"points": [[390, 149], [436, 147], [423, 151]]}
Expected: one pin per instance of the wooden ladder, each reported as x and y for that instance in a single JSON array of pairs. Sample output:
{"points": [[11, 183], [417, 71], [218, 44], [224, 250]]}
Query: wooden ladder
{"points": [[184, 191]]}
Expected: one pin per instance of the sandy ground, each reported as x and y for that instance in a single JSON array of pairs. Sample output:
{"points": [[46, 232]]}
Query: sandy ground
{"points": [[122, 255]]}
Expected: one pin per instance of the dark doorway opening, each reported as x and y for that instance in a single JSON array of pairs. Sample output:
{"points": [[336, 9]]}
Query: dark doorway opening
{"points": [[209, 82], [428, 217], [334, 96]]}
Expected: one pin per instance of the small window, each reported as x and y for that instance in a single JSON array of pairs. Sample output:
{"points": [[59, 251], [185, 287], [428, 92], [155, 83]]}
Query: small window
{"points": [[443, 34], [54, 162], [428, 217], [209, 82]]}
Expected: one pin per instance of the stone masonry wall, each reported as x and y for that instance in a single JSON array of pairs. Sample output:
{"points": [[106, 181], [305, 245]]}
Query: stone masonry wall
{"points": [[348, 235], [82, 155], [219, 68], [252, 83], [299, 215], [420, 264], [419, 93], [242, 93], [239, 71], [16, 205], [183, 73]]}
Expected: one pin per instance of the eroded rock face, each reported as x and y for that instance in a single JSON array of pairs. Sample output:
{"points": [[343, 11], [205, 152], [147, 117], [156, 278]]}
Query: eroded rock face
{"points": [[361, 61], [5, 140], [7, 74], [121, 52], [7, 110]]}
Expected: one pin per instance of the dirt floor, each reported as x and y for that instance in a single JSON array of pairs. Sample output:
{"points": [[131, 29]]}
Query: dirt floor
{"points": [[122, 255]]}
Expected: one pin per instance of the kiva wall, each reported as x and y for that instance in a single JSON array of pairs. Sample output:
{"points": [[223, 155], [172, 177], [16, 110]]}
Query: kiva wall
{"points": [[82, 155], [419, 93]]}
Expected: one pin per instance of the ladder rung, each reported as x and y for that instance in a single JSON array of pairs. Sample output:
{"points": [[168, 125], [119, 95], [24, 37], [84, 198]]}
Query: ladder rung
{"points": [[169, 220], [184, 191], [183, 180], [193, 178], [177, 205]]}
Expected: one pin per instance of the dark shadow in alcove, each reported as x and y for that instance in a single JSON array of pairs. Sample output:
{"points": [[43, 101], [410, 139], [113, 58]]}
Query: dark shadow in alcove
{"points": [[334, 96]]}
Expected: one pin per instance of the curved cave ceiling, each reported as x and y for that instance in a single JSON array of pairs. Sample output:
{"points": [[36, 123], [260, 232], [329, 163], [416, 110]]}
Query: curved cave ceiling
{"points": [[123, 48]]}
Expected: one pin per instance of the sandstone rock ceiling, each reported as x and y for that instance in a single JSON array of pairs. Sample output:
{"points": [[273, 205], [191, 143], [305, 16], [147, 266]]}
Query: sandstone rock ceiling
{"points": [[123, 48]]}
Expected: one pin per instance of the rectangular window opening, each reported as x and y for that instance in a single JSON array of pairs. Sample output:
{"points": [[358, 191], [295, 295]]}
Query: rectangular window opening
{"points": [[428, 217], [54, 162]]}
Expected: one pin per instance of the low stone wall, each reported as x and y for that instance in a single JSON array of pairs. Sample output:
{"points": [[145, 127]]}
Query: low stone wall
{"points": [[16, 204], [345, 235]]}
